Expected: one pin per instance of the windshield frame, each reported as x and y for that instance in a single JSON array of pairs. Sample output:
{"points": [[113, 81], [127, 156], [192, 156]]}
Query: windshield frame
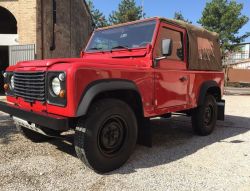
{"points": [[123, 25]]}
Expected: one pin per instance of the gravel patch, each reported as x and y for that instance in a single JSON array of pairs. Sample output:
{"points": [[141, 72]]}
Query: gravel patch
{"points": [[179, 160]]}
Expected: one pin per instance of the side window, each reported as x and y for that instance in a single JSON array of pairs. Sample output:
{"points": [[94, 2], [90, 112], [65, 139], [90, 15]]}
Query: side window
{"points": [[177, 44]]}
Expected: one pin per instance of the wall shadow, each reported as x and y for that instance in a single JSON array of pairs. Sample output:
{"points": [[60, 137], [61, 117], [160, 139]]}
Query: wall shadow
{"points": [[7, 129]]}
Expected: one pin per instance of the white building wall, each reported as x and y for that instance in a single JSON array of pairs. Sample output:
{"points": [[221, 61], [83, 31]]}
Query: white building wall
{"points": [[8, 39]]}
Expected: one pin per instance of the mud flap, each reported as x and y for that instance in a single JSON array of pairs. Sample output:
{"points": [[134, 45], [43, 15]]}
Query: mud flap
{"points": [[221, 110], [144, 132]]}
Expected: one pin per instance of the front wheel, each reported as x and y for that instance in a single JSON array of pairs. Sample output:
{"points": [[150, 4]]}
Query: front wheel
{"points": [[204, 117], [106, 137]]}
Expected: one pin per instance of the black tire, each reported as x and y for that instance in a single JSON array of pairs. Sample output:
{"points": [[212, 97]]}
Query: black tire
{"points": [[107, 136], [204, 117], [32, 135]]}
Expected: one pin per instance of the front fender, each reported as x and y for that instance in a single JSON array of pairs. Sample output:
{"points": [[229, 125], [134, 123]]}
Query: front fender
{"points": [[99, 86]]}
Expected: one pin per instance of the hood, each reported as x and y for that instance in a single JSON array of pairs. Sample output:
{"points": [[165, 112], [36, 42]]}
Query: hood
{"points": [[118, 58], [47, 63]]}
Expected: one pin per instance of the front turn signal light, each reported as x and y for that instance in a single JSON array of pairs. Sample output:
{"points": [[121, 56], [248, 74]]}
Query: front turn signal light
{"points": [[6, 87], [62, 94]]}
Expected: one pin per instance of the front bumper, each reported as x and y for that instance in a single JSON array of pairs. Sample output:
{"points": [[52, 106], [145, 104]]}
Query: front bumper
{"points": [[50, 121]]}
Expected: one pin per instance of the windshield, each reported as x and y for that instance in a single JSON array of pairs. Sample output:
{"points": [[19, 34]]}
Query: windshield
{"points": [[129, 36]]}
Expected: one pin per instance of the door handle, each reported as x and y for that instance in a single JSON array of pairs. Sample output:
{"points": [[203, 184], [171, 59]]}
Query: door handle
{"points": [[183, 78]]}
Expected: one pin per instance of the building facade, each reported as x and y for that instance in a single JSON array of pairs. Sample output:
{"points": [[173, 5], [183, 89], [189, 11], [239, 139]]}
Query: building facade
{"points": [[239, 59], [58, 28]]}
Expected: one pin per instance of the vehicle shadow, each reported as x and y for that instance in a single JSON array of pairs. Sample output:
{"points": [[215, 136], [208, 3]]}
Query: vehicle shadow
{"points": [[173, 139]]}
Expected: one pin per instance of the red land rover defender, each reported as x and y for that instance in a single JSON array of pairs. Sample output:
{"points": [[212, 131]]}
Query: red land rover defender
{"points": [[127, 74]]}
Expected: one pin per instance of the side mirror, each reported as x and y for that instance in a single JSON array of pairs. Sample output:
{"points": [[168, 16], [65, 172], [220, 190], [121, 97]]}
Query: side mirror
{"points": [[166, 47]]}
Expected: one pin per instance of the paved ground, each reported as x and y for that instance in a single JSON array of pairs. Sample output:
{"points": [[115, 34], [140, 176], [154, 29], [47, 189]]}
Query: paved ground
{"points": [[179, 160]]}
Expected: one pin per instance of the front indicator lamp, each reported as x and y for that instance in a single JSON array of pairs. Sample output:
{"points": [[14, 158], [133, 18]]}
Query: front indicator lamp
{"points": [[6, 87], [62, 94]]}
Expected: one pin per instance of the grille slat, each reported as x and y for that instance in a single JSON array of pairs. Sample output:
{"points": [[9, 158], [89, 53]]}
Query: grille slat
{"points": [[29, 98], [21, 90], [30, 85], [30, 79], [30, 76]]}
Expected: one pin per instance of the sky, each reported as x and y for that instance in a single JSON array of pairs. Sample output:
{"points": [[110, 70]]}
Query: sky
{"points": [[191, 9]]}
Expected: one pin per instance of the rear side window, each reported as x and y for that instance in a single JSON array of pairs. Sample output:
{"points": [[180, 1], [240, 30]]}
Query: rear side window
{"points": [[177, 44]]}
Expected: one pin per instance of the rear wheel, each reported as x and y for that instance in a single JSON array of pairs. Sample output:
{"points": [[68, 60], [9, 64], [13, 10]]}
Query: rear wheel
{"points": [[105, 139], [204, 117]]}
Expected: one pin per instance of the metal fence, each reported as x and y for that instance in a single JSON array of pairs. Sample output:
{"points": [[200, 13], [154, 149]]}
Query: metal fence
{"points": [[18, 53]]}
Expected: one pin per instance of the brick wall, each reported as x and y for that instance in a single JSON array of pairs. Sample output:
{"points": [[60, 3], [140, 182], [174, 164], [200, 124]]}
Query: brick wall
{"points": [[12, 6], [25, 14], [27, 22]]}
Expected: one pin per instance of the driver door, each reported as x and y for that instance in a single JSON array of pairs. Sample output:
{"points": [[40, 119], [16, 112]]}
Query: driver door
{"points": [[171, 77]]}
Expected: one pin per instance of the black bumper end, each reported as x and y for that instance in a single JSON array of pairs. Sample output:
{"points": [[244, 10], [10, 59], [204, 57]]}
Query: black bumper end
{"points": [[50, 121]]}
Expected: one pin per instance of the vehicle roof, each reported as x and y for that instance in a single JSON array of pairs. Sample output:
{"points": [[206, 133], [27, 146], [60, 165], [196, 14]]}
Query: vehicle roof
{"points": [[203, 45], [189, 27], [180, 23]]}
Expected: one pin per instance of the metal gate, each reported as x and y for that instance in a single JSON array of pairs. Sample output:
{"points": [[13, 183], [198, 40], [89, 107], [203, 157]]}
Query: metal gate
{"points": [[18, 53]]}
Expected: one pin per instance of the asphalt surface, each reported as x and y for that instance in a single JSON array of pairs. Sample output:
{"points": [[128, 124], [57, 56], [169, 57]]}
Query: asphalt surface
{"points": [[179, 160]]}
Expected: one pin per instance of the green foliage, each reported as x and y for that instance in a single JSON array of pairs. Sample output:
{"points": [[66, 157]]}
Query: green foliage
{"points": [[127, 11], [179, 16], [98, 17], [225, 18]]}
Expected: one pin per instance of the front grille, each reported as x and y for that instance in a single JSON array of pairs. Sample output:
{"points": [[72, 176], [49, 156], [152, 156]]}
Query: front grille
{"points": [[30, 86]]}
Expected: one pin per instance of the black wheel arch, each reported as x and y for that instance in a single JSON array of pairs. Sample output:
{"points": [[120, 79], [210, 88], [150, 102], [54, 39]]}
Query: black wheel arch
{"points": [[210, 87], [110, 88]]}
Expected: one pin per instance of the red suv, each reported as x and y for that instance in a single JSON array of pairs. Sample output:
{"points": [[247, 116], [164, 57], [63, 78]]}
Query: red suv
{"points": [[127, 74]]}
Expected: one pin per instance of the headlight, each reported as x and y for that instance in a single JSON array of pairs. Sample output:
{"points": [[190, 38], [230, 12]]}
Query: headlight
{"points": [[56, 86], [12, 84]]}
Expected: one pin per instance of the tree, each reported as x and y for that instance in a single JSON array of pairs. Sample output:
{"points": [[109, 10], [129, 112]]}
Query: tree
{"points": [[127, 11], [98, 17], [179, 16], [225, 18]]}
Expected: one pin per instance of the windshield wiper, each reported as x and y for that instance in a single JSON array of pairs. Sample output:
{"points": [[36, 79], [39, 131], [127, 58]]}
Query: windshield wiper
{"points": [[120, 47], [95, 48]]}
